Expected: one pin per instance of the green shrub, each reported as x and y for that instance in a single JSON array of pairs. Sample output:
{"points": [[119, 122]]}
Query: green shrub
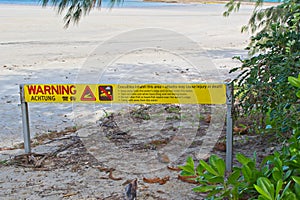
{"points": [[278, 177], [274, 56]]}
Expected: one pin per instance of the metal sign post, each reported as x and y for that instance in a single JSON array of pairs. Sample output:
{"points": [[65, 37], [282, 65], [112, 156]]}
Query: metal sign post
{"points": [[229, 126], [25, 121]]}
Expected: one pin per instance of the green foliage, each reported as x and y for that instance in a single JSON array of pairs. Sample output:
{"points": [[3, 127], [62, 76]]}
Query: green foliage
{"points": [[173, 109], [214, 180], [295, 82], [262, 88], [75, 8], [263, 18], [268, 191], [211, 177], [3, 162], [189, 168], [231, 6], [277, 178]]}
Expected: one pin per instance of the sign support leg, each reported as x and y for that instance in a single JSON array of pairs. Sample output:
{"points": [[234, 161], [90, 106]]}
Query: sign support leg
{"points": [[25, 121], [229, 126]]}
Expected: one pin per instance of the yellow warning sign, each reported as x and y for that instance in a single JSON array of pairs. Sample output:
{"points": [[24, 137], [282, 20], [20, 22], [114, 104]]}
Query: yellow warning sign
{"points": [[127, 93]]}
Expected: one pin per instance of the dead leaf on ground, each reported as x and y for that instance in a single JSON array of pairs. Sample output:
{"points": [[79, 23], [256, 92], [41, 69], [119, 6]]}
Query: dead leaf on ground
{"points": [[108, 170], [188, 179], [70, 194], [240, 130], [164, 180], [6, 148], [161, 181], [163, 158], [173, 168], [112, 177], [160, 142], [151, 180], [208, 119], [104, 169], [220, 146]]}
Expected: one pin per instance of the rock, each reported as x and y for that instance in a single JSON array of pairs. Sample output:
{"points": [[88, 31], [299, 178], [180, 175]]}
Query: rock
{"points": [[130, 190]]}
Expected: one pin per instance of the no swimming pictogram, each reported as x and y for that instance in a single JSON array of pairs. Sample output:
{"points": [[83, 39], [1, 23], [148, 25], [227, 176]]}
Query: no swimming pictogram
{"points": [[87, 95], [105, 93]]}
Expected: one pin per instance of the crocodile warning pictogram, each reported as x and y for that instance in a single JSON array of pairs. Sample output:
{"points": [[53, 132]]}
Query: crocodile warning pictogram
{"points": [[106, 93]]}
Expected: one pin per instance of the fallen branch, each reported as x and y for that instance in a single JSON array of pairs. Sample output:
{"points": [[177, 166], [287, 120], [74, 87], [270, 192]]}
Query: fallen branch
{"points": [[63, 148], [31, 160], [58, 139]]}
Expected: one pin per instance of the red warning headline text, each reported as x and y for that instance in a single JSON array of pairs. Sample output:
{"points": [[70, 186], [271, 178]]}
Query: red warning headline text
{"points": [[51, 89]]}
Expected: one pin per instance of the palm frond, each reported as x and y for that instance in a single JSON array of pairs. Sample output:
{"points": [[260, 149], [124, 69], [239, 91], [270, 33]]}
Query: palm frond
{"points": [[75, 8]]}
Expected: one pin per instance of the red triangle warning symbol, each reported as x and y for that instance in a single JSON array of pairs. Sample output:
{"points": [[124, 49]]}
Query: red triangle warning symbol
{"points": [[87, 95]]}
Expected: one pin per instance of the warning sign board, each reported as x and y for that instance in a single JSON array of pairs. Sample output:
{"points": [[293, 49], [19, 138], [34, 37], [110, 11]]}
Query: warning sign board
{"points": [[126, 93]]}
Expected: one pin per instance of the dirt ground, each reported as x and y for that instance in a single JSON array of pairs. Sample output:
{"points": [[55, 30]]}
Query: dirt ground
{"points": [[146, 143]]}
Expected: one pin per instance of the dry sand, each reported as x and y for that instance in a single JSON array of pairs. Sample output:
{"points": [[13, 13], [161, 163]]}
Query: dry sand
{"points": [[35, 48]]}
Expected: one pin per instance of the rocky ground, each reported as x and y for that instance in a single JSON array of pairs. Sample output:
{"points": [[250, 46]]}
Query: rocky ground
{"points": [[146, 143]]}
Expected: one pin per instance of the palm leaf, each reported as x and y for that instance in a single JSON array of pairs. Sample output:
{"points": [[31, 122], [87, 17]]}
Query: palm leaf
{"points": [[75, 8]]}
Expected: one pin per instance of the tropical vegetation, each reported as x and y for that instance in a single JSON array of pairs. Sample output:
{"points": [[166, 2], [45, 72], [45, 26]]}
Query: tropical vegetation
{"points": [[75, 9], [266, 92]]}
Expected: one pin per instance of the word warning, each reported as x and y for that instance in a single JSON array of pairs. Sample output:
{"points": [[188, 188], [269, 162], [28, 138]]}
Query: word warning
{"points": [[126, 93]]}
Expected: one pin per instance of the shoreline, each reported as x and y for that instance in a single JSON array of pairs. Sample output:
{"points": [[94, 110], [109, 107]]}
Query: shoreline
{"points": [[190, 1], [164, 2], [186, 2]]}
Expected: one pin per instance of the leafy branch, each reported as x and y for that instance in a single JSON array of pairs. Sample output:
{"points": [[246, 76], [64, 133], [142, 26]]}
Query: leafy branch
{"points": [[75, 9]]}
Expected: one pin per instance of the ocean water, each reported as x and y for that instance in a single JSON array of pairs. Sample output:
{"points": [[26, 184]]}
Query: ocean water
{"points": [[22, 2], [105, 3]]}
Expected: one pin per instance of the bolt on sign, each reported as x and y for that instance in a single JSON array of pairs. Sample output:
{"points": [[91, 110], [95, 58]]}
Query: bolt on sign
{"points": [[126, 93]]}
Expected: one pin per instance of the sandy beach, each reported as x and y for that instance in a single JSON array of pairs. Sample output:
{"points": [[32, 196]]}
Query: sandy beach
{"points": [[158, 44], [35, 48]]}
